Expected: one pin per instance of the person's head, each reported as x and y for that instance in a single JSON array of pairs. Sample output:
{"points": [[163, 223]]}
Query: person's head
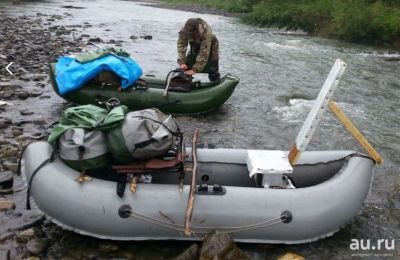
{"points": [[192, 26]]}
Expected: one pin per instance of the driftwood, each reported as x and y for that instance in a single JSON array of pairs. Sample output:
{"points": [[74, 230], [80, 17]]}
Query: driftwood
{"points": [[192, 193]]}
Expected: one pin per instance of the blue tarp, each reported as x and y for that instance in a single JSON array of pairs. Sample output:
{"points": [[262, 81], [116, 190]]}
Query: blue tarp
{"points": [[72, 75]]}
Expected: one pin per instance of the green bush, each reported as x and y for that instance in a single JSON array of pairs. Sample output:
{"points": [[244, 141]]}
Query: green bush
{"points": [[363, 21]]}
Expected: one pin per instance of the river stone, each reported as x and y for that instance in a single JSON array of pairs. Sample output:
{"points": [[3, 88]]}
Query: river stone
{"points": [[220, 245], [146, 37], [26, 112], [108, 247], [6, 205], [191, 253], [16, 133], [26, 235], [11, 166], [23, 94], [6, 236], [6, 180], [290, 256], [6, 191], [37, 245], [8, 151]]}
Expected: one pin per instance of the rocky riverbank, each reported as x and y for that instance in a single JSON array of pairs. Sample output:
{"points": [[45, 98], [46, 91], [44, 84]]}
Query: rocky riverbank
{"points": [[29, 108], [26, 113]]}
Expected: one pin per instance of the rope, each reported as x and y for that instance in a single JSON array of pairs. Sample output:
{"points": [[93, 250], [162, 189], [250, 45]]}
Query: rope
{"points": [[180, 228]]}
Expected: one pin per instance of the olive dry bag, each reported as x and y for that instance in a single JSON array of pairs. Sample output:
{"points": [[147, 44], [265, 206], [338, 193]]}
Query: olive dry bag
{"points": [[143, 135], [83, 149]]}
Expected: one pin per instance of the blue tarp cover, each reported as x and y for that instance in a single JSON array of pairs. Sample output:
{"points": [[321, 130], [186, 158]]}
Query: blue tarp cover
{"points": [[72, 75]]}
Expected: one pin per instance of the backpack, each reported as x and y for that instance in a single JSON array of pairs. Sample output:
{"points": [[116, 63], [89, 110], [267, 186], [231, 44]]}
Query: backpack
{"points": [[83, 149], [143, 135]]}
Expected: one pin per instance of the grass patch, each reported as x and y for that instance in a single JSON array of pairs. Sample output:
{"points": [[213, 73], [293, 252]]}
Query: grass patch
{"points": [[360, 21]]}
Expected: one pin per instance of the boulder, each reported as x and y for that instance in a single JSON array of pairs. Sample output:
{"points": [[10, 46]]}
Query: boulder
{"points": [[220, 245], [191, 253], [6, 205], [11, 166], [291, 256], [36, 246]]}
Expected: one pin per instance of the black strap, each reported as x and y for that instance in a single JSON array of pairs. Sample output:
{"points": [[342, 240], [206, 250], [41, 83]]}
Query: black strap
{"points": [[121, 183], [144, 143], [20, 159], [161, 123], [44, 163]]}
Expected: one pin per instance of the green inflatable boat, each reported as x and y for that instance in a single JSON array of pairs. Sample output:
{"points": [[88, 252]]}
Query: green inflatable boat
{"points": [[204, 97]]}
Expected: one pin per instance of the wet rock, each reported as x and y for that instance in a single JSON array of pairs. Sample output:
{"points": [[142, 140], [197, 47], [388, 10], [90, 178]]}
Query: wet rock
{"points": [[133, 37], [6, 191], [97, 39], [112, 41], [85, 35], [5, 254], [191, 253], [392, 59], [73, 7], [220, 245], [3, 126], [108, 247], [26, 235], [4, 142], [22, 95], [7, 86], [11, 166], [26, 112], [291, 256], [6, 236], [16, 133], [146, 37], [37, 245], [17, 128], [8, 151], [6, 180], [6, 205]]}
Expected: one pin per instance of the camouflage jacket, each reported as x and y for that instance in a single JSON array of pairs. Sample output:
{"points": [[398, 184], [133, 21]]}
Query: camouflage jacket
{"points": [[204, 44]]}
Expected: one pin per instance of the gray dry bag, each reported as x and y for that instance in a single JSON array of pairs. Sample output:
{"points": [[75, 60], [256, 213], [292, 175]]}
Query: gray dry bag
{"points": [[143, 135], [83, 149]]}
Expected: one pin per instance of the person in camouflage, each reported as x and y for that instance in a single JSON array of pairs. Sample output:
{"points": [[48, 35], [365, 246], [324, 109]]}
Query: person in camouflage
{"points": [[203, 55]]}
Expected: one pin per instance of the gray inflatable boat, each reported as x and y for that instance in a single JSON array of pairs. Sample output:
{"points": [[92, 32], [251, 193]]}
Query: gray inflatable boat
{"points": [[327, 189]]}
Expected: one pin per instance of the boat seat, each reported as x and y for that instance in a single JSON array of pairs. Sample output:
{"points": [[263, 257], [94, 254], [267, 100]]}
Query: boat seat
{"points": [[271, 164], [149, 165]]}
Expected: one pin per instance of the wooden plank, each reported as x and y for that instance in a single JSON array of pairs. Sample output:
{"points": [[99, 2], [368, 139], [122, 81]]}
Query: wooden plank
{"points": [[315, 115], [192, 193], [355, 132]]}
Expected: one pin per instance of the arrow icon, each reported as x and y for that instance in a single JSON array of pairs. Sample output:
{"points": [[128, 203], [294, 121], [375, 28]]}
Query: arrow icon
{"points": [[8, 70]]}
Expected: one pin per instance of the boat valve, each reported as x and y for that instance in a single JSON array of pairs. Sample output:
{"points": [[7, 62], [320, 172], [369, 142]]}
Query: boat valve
{"points": [[125, 211], [286, 217]]}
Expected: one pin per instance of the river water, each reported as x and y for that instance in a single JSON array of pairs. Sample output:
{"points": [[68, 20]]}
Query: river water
{"points": [[281, 74]]}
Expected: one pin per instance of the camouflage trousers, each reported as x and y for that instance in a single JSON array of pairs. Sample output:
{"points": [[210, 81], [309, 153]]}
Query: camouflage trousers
{"points": [[212, 66]]}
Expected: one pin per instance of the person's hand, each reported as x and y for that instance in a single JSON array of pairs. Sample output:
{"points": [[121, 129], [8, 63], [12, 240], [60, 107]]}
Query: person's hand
{"points": [[190, 72], [183, 66]]}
